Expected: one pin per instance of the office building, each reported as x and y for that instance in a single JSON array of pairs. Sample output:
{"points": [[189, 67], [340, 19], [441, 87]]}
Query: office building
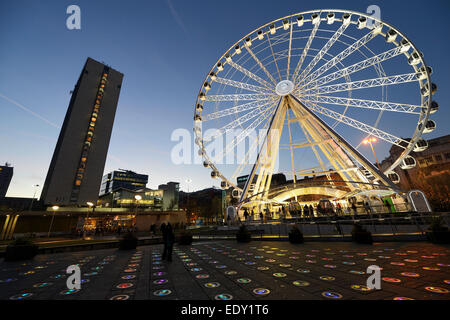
{"points": [[122, 179], [6, 173], [77, 165]]}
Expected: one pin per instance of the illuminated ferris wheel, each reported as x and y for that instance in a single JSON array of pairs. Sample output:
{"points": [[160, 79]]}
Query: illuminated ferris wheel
{"points": [[300, 94]]}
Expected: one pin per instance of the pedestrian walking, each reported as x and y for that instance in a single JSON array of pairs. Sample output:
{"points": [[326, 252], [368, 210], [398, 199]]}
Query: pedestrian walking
{"points": [[168, 242]]}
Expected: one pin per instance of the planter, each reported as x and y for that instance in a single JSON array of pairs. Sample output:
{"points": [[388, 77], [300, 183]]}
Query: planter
{"points": [[295, 237], [364, 237], [440, 237], [20, 252], [185, 239], [129, 242]]}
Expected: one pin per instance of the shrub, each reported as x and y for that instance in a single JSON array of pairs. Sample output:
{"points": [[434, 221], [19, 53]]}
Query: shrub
{"points": [[128, 242], [361, 235], [295, 235], [243, 235], [21, 249]]}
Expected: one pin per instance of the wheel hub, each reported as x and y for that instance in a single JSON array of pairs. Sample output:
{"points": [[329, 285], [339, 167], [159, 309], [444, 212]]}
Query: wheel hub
{"points": [[284, 87]]}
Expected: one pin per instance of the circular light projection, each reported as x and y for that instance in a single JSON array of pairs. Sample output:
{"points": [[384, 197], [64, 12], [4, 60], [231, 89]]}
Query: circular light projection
{"points": [[410, 274], [8, 280], [431, 268], [202, 276], [221, 266], [299, 283], [331, 295], [244, 280], [42, 285], [223, 296], [130, 270], [303, 271], [120, 297], [21, 296], [403, 298], [69, 292], [158, 274], [391, 280], [230, 273], [212, 285], [162, 292], [124, 285], [160, 281], [128, 277], [327, 278], [279, 275], [196, 269], [261, 291], [361, 288], [263, 268], [436, 289]]}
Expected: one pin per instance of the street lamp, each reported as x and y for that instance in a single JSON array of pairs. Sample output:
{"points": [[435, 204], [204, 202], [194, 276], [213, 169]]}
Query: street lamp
{"points": [[138, 198], [90, 205], [34, 195], [54, 208], [370, 141]]}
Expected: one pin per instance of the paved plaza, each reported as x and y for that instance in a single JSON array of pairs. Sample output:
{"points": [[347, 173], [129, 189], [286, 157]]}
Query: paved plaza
{"points": [[229, 270]]}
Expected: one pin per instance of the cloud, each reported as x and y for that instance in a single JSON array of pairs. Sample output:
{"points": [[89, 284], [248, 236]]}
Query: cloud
{"points": [[176, 16], [29, 111]]}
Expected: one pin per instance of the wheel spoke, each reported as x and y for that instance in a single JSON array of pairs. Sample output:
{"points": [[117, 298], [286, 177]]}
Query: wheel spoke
{"points": [[341, 56], [236, 97], [250, 74], [305, 51], [237, 122], [357, 124], [261, 65], [273, 55], [289, 51], [242, 85], [234, 110], [323, 51], [355, 68], [367, 104], [238, 139], [363, 84]]}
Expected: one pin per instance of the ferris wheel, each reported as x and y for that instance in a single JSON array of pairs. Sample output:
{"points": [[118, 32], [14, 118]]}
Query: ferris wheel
{"points": [[300, 94]]}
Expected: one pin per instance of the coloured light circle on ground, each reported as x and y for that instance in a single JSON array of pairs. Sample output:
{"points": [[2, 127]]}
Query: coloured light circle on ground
{"points": [[158, 274], [357, 272], [230, 273], [133, 265], [130, 270], [411, 260], [285, 265], [397, 263], [42, 285], [311, 261], [120, 297], [249, 263], [270, 260], [279, 275], [330, 266], [391, 280], [431, 268], [223, 296], [129, 277], [447, 281], [443, 265], [212, 285], [331, 295], [261, 291], [90, 274], [244, 280], [221, 266], [410, 274], [124, 285], [202, 276], [58, 276], [69, 292], [300, 283], [263, 268], [403, 298], [21, 296], [361, 288], [8, 280], [162, 292], [196, 269], [327, 278], [303, 271], [160, 281], [436, 289]]}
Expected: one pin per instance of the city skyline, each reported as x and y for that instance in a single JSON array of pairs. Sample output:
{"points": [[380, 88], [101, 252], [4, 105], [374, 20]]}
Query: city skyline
{"points": [[153, 69]]}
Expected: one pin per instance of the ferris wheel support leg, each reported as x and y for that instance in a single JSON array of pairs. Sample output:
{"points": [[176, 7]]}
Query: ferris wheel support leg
{"points": [[342, 142]]}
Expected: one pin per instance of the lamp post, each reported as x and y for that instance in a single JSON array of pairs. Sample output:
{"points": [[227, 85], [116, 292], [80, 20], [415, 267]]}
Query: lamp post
{"points": [[54, 208], [188, 181], [370, 141], [137, 198], [34, 195], [90, 205]]}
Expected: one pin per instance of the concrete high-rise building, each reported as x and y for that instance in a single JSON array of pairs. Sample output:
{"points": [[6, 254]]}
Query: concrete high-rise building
{"points": [[171, 195], [6, 173], [78, 161]]}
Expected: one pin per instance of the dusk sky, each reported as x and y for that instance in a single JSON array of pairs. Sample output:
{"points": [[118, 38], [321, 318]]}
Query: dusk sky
{"points": [[164, 48]]}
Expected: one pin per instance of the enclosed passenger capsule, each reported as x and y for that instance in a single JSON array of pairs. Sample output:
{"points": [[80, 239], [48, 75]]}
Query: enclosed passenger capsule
{"points": [[300, 21], [346, 19], [394, 177], [362, 22], [330, 18], [408, 163], [391, 35], [421, 145], [315, 18]]}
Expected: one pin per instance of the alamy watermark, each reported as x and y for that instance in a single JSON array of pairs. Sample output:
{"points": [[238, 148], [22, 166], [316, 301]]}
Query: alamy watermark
{"points": [[74, 280], [374, 281], [74, 20]]}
